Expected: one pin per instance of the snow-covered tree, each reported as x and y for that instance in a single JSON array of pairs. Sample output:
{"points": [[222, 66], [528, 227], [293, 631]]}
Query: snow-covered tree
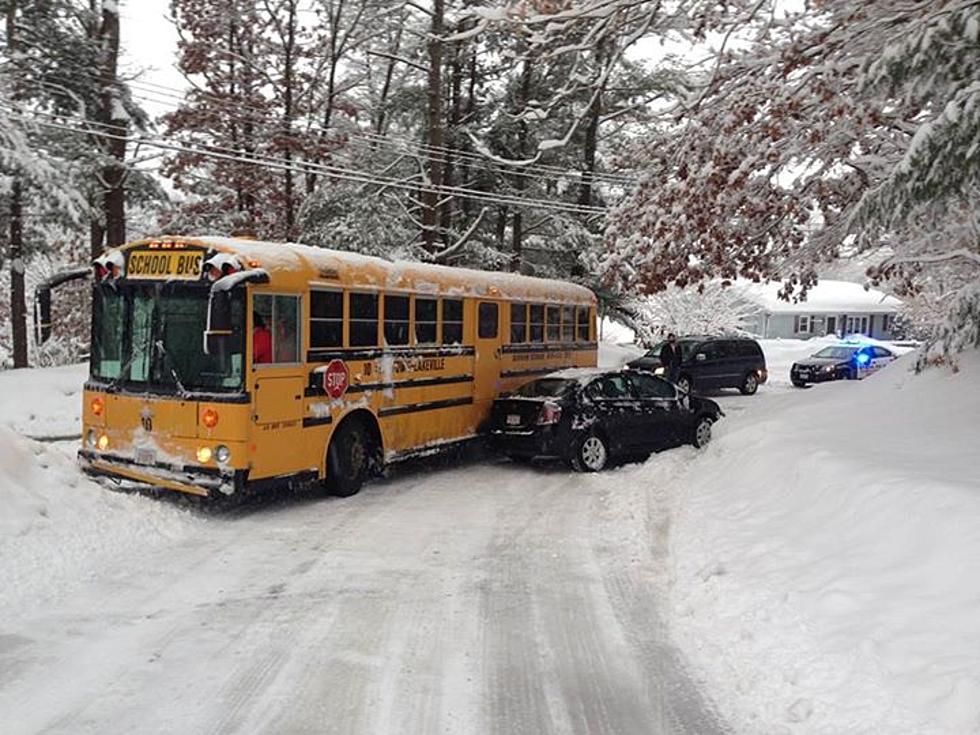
{"points": [[710, 308], [845, 125]]}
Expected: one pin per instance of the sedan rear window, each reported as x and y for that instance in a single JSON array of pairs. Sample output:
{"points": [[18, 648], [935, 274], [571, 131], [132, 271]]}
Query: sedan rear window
{"points": [[544, 388]]}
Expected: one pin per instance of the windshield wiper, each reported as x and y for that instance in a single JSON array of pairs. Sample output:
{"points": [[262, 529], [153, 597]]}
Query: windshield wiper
{"points": [[168, 361]]}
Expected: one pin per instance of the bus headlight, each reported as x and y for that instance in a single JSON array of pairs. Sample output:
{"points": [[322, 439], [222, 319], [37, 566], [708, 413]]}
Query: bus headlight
{"points": [[91, 439], [222, 453], [204, 455], [103, 443]]}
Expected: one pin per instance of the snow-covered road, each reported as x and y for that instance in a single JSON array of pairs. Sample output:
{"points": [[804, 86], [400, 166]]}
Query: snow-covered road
{"points": [[485, 598]]}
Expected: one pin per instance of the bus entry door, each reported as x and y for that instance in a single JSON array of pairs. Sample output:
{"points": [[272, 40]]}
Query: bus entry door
{"points": [[278, 426]]}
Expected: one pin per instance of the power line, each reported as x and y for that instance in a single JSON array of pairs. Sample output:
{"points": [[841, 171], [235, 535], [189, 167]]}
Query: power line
{"points": [[245, 157], [442, 154]]}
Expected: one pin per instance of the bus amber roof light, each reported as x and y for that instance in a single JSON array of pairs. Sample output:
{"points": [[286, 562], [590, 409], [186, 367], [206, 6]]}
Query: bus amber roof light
{"points": [[209, 418], [98, 406]]}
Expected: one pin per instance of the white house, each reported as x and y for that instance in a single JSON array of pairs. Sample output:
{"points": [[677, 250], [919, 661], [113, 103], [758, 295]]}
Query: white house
{"points": [[831, 307]]}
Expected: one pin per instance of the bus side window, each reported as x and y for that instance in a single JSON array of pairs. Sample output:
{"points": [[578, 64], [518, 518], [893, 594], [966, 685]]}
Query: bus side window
{"points": [[285, 337], [396, 320], [554, 324], [275, 328], [568, 324], [363, 319], [537, 322], [582, 322], [326, 319], [487, 323], [452, 321], [518, 323], [426, 321]]}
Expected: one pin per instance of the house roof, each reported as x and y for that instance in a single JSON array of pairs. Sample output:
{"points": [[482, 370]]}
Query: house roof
{"points": [[836, 297]]}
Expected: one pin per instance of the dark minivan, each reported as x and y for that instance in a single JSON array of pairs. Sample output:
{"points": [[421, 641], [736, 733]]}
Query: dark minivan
{"points": [[713, 362]]}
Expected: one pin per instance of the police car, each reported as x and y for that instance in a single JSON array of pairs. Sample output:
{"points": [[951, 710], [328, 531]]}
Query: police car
{"points": [[846, 361]]}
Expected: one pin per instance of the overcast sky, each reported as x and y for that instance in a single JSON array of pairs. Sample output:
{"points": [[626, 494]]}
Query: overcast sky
{"points": [[150, 46]]}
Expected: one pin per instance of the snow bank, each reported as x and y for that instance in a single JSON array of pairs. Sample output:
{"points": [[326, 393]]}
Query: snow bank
{"points": [[58, 529], [826, 557], [43, 401]]}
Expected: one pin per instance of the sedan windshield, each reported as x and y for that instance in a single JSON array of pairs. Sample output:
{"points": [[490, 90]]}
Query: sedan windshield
{"points": [[837, 353], [544, 388], [151, 335]]}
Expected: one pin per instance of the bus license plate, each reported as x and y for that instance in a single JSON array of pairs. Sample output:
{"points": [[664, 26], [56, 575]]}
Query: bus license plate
{"points": [[513, 420], [170, 264], [146, 456]]}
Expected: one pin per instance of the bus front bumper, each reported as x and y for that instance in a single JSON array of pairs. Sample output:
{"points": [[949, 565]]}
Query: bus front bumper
{"points": [[200, 481]]}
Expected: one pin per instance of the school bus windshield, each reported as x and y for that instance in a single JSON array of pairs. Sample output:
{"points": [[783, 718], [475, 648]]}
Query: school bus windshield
{"points": [[151, 336]]}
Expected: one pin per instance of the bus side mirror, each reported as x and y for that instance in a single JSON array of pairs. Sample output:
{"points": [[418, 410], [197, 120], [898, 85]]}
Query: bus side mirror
{"points": [[218, 328]]}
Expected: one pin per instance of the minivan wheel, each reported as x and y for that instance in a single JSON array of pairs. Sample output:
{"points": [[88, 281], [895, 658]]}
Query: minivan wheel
{"points": [[702, 432], [685, 384], [590, 455], [750, 385]]}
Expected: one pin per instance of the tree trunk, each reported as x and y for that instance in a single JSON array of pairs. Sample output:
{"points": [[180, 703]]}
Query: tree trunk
{"points": [[18, 303], [113, 114], [18, 296], [287, 120], [520, 181], [96, 237], [455, 111], [430, 197], [381, 120]]}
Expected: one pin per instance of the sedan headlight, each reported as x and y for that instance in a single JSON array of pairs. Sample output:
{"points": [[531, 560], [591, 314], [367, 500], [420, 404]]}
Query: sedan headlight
{"points": [[659, 371], [829, 368]]}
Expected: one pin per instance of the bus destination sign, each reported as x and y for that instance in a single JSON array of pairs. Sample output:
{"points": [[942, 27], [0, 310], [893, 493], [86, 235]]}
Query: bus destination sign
{"points": [[160, 264]]}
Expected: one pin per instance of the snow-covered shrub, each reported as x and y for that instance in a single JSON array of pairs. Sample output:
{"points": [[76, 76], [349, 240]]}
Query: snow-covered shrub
{"points": [[712, 308]]}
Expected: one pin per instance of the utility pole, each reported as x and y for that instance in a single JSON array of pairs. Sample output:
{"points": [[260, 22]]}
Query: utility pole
{"points": [[18, 302]]}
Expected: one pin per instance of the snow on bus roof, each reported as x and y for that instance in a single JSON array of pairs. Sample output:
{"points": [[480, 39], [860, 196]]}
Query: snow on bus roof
{"points": [[381, 273]]}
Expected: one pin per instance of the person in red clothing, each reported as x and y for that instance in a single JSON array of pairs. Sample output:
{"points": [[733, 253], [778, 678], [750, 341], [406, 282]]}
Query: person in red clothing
{"points": [[261, 340]]}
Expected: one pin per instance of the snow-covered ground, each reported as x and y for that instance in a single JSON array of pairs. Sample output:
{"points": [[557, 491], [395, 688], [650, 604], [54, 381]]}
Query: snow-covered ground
{"points": [[825, 557], [815, 570]]}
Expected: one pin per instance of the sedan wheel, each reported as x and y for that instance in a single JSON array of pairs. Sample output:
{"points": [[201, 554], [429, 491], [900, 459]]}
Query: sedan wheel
{"points": [[702, 432], [684, 383], [591, 455]]}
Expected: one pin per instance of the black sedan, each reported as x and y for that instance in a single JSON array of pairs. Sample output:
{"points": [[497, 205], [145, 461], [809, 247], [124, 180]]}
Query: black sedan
{"points": [[587, 417], [840, 362]]}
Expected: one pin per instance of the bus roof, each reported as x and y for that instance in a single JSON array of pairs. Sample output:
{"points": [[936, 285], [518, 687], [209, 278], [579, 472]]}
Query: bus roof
{"points": [[322, 266]]}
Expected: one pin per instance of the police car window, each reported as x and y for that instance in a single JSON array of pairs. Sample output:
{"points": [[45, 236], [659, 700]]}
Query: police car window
{"points": [[648, 386], [881, 352]]}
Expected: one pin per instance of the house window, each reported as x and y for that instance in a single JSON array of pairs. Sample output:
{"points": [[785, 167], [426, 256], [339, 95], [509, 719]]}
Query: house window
{"points": [[886, 322], [831, 325], [802, 325]]}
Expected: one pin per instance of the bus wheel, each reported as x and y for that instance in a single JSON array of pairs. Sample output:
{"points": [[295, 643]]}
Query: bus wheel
{"points": [[347, 460]]}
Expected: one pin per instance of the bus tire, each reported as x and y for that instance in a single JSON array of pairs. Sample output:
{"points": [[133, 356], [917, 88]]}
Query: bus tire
{"points": [[348, 459]]}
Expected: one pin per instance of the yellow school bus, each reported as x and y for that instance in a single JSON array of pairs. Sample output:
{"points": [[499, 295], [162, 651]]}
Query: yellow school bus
{"points": [[220, 364]]}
